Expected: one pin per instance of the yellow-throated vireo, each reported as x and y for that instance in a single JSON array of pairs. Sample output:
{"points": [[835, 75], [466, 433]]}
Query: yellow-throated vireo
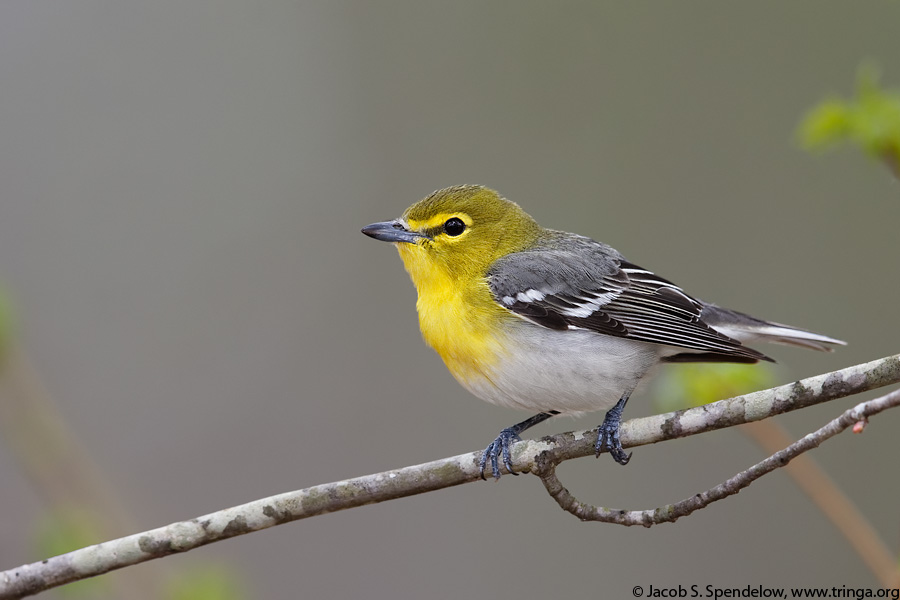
{"points": [[550, 321]]}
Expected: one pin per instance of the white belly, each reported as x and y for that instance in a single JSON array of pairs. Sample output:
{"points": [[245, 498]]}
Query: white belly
{"points": [[569, 371]]}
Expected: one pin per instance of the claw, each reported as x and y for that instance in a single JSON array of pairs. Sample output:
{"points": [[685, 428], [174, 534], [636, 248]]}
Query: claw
{"points": [[499, 447], [608, 438], [608, 434], [509, 436]]}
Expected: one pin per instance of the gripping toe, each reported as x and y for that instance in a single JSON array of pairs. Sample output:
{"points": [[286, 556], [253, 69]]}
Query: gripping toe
{"points": [[608, 434], [499, 447]]}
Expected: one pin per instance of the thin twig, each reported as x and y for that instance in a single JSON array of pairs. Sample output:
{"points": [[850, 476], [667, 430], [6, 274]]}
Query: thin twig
{"points": [[832, 501], [530, 455], [669, 514]]}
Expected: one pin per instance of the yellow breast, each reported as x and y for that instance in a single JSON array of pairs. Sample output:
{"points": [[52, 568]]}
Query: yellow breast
{"points": [[458, 317]]}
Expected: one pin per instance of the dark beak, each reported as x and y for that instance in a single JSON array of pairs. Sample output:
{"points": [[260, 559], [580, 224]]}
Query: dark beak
{"points": [[392, 231]]}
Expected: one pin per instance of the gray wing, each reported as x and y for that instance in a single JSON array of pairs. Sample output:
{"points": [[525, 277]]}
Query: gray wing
{"points": [[577, 283]]}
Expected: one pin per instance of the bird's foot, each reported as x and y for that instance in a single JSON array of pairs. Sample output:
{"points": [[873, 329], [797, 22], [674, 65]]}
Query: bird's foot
{"points": [[608, 434], [509, 436], [499, 447]]}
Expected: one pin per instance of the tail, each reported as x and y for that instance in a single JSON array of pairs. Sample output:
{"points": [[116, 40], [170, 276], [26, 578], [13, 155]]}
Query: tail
{"points": [[745, 328]]}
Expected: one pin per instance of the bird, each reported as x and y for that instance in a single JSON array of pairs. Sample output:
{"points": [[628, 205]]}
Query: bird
{"points": [[543, 320]]}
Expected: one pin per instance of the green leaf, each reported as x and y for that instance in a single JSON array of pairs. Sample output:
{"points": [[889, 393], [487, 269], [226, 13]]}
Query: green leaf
{"points": [[825, 126], [683, 386], [871, 120]]}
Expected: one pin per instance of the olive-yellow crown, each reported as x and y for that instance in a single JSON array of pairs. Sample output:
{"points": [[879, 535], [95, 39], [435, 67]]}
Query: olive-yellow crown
{"points": [[464, 229]]}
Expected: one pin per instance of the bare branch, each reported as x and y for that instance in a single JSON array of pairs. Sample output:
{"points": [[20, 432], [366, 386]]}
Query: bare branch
{"points": [[529, 455], [669, 514], [834, 503]]}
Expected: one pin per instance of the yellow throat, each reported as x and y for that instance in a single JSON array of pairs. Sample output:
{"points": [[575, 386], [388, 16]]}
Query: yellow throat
{"points": [[460, 320], [458, 315]]}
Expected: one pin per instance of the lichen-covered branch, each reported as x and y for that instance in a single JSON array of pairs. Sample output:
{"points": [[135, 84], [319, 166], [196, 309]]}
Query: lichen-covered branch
{"points": [[668, 514], [530, 455]]}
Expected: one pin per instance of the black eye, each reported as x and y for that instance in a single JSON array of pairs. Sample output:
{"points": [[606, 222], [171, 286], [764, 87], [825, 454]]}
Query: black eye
{"points": [[454, 226]]}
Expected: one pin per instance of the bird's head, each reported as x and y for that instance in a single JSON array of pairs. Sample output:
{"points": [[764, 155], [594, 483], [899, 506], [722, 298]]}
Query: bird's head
{"points": [[457, 232]]}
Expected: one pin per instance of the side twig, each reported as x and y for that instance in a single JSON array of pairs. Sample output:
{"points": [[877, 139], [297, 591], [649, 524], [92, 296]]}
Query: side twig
{"points": [[530, 455], [547, 463], [832, 501]]}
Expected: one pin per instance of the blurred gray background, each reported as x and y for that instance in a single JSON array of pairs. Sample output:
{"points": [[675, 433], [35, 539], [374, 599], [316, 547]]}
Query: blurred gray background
{"points": [[181, 191]]}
